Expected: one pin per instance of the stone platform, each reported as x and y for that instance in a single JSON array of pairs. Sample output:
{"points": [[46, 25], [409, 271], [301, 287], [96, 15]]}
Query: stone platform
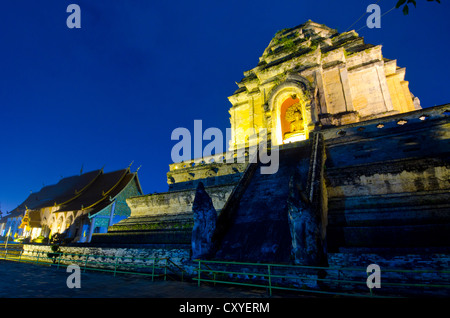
{"points": [[386, 185]]}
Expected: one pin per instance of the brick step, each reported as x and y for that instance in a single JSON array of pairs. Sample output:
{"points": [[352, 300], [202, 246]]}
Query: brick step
{"points": [[144, 237], [399, 236], [389, 216], [184, 221], [392, 209], [436, 197]]}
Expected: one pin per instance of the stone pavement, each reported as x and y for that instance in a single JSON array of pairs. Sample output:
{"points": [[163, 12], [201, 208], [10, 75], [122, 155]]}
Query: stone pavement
{"points": [[22, 280], [25, 286]]}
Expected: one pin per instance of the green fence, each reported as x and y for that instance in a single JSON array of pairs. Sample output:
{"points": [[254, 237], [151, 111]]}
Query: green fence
{"points": [[327, 281], [331, 281], [162, 268]]}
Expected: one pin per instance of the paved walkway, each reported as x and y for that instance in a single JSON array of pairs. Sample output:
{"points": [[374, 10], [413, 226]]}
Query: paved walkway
{"points": [[22, 280], [112, 295]]}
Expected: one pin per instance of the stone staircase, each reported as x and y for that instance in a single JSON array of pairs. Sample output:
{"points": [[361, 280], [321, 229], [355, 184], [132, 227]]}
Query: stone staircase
{"points": [[149, 230], [258, 229], [161, 218]]}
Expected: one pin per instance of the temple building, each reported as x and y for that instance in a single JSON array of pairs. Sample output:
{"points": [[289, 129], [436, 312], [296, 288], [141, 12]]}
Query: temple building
{"points": [[76, 206], [361, 164], [360, 168]]}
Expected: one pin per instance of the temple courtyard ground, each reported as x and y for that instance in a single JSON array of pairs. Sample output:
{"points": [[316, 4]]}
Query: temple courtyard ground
{"points": [[22, 280], [25, 286]]}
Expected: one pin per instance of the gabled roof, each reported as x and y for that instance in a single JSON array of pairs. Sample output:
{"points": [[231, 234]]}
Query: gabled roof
{"points": [[90, 191], [114, 193], [52, 195], [100, 190]]}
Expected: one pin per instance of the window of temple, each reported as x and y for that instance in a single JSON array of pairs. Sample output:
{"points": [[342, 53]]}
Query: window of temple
{"points": [[69, 222], [59, 224]]}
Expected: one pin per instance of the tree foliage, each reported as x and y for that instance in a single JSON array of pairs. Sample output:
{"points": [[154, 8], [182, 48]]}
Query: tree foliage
{"points": [[405, 3]]}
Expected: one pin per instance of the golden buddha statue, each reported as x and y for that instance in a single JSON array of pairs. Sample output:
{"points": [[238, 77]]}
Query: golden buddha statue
{"points": [[296, 126], [297, 123]]}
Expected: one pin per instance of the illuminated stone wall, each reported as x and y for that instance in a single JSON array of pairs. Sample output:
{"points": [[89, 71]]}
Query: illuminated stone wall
{"points": [[329, 78], [187, 175]]}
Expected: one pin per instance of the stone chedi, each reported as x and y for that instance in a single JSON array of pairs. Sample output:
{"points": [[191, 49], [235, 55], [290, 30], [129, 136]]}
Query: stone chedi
{"points": [[312, 75], [361, 164]]}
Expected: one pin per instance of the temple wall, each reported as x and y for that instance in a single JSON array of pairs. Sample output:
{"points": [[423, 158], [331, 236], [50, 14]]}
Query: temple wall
{"points": [[133, 255], [175, 202], [388, 182], [211, 172], [334, 90]]}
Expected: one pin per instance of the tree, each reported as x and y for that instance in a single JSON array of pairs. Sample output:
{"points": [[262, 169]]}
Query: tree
{"points": [[405, 3]]}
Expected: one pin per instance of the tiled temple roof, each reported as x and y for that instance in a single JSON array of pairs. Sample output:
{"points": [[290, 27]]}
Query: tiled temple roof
{"points": [[102, 189], [89, 191], [55, 194]]}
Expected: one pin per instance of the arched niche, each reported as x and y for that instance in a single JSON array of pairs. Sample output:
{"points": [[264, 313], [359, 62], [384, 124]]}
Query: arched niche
{"points": [[59, 224], [69, 221], [289, 97]]}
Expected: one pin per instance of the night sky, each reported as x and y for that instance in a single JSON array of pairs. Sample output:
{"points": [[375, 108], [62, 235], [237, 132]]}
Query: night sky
{"points": [[112, 92]]}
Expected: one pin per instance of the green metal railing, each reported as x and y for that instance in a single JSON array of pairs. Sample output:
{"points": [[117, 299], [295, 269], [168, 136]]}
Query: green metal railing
{"points": [[334, 281], [163, 268], [284, 277]]}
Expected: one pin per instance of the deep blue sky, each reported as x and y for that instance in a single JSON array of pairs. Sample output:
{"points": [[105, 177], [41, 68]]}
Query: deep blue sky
{"points": [[112, 92]]}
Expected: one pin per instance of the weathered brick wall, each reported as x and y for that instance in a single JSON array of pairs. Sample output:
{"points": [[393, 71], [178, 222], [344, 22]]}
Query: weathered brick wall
{"points": [[131, 255], [388, 181]]}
